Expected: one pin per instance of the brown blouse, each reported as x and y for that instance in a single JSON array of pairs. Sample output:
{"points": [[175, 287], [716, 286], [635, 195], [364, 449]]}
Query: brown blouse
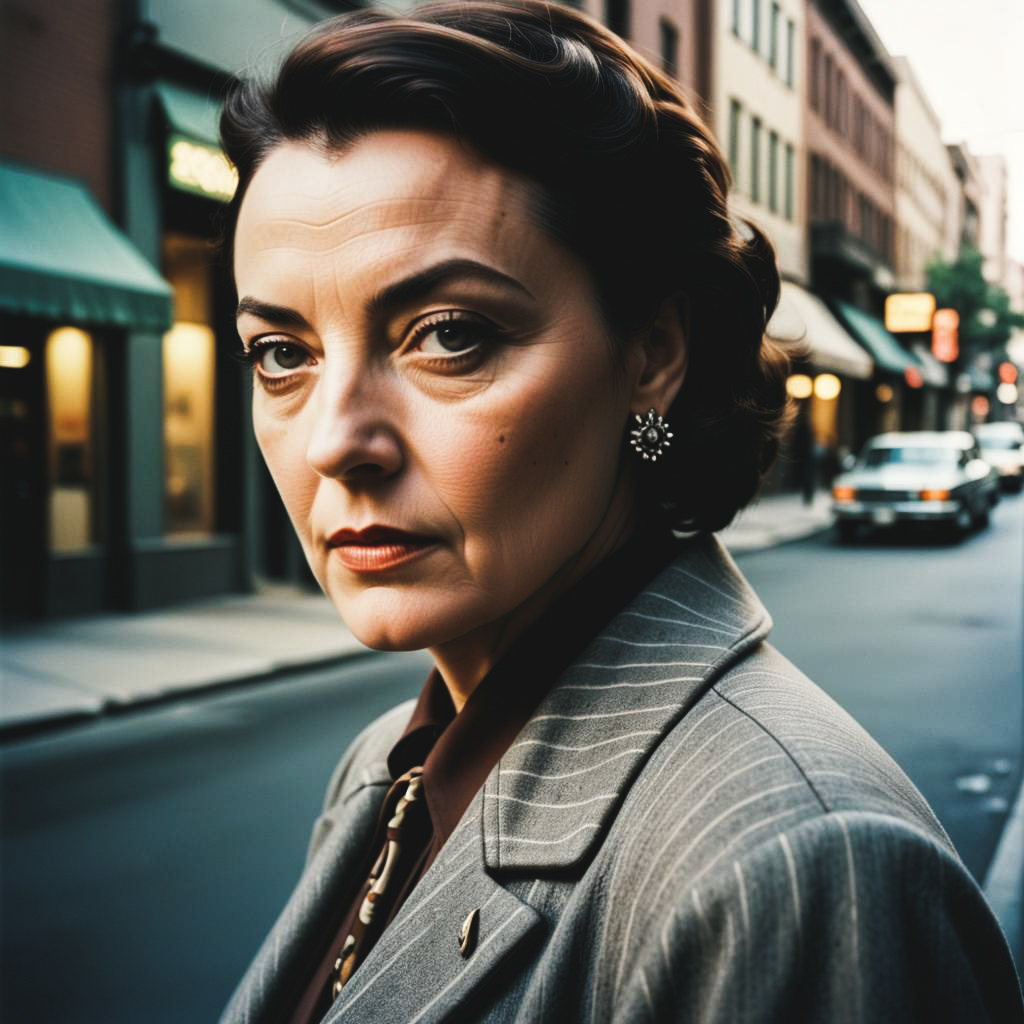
{"points": [[457, 751]]}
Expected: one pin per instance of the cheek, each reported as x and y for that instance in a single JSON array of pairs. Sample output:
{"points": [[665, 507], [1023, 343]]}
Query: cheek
{"points": [[544, 461], [284, 450]]}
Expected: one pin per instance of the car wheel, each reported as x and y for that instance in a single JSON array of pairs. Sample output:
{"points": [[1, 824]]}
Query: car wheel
{"points": [[847, 530], [983, 517]]}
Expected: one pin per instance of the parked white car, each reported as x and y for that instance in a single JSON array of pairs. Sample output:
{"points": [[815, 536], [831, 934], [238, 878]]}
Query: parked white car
{"points": [[1002, 446], [917, 477]]}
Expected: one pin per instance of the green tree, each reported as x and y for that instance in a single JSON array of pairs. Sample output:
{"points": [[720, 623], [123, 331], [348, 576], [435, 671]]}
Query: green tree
{"points": [[986, 320]]}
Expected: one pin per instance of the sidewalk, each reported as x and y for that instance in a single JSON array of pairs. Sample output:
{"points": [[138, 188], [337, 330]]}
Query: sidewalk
{"points": [[57, 671]]}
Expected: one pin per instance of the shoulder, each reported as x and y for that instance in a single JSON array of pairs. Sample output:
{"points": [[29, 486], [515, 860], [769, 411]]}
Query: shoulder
{"points": [[846, 916], [362, 768], [764, 778], [762, 751], [773, 855], [364, 763]]}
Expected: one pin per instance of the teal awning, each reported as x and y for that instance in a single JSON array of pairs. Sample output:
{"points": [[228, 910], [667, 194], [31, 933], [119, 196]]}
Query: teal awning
{"points": [[62, 259], [191, 113], [882, 346]]}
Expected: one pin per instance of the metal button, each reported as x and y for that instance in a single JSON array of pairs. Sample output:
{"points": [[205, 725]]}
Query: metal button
{"points": [[468, 933]]}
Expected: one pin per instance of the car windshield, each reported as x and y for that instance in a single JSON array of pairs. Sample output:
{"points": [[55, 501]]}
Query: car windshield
{"points": [[910, 456], [1000, 444]]}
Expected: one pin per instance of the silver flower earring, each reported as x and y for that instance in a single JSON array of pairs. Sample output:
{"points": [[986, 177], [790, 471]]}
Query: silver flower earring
{"points": [[651, 437]]}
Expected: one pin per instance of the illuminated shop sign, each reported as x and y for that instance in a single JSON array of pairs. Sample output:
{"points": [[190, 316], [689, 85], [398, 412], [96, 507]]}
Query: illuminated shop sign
{"points": [[909, 311], [197, 167]]}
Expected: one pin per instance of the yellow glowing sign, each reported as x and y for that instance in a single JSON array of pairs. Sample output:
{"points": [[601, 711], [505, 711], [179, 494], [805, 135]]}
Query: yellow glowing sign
{"points": [[196, 167], [909, 311], [14, 357]]}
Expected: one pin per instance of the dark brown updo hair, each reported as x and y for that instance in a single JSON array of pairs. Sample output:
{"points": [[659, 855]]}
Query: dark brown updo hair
{"points": [[627, 176]]}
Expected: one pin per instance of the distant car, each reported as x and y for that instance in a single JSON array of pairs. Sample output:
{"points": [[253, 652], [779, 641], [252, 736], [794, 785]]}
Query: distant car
{"points": [[916, 477], [1002, 446]]}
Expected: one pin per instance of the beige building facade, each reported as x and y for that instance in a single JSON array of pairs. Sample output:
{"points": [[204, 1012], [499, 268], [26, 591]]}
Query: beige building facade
{"points": [[757, 114], [993, 172], [927, 203]]}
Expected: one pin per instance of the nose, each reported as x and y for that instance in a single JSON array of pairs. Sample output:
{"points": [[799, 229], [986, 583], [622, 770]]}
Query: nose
{"points": [[356, 432]]}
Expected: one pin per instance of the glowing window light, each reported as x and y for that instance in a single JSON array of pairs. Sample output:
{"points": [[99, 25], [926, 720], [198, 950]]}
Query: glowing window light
{"points": [[202, 169], [1007, 393], [827, 386], [799, 385], [14, 357]]}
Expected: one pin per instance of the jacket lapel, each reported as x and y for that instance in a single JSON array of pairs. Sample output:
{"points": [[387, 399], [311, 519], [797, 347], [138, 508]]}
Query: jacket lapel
{"points": [[555, 792], [415, 972], [551, 798]]}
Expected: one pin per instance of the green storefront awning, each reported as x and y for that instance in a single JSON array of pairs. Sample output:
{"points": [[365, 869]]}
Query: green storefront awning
{"points": [[62, 259], [871, 333], [191, 113]]}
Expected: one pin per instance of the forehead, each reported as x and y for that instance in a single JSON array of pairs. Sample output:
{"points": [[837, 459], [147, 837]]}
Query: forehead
{"points": [[393, 188]]}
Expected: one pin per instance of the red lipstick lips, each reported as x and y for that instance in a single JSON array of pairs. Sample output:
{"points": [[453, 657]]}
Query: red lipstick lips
{"points": [[377, 548]]}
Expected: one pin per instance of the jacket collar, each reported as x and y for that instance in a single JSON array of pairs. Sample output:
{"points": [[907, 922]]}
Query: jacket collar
{"points": [[551, 798]]}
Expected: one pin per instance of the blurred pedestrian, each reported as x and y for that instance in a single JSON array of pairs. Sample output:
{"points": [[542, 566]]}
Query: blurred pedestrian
{"points": [[510, 375]]}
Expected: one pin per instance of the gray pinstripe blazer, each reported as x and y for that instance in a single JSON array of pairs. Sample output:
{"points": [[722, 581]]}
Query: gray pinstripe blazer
{"points": [[687, 829]]}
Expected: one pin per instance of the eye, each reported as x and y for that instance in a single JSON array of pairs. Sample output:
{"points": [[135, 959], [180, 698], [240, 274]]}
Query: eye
{"points": [[277, 358], [453, 333]]}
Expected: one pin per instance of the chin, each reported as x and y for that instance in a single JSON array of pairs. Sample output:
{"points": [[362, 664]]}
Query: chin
{"points": [[394, 622]]}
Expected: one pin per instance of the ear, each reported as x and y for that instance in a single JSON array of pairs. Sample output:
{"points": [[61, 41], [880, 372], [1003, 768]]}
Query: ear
{"points": [[661, 358]]}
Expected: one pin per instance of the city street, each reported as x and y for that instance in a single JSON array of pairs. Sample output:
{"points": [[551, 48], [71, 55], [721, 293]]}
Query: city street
{"points": [[144, 856]]}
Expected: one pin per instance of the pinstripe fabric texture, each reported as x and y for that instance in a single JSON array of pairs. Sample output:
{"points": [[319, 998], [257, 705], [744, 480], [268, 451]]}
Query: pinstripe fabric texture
{"points": [[687, 829]]}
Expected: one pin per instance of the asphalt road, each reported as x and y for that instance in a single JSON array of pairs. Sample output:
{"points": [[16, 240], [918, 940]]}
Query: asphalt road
{"points": [[145, 857]]}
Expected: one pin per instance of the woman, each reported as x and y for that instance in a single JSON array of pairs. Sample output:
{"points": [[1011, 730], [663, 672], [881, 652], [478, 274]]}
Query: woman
{"points": [[505, 340]]}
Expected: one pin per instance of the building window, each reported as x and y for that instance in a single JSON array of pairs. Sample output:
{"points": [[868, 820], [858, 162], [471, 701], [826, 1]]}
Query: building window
{"points": [[787, 195], [755, 159], [815, 83], [829, 101], [735, 115], [790, 52], [669, 47], [773, 172], [617, 17], [842, 122], [755, 26], [69, 391], [737, 15], [773, 36], [188, 363]]}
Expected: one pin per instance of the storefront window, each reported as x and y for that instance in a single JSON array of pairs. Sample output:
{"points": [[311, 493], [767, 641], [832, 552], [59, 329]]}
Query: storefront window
{"points": [[188, 364], [69, 369]]}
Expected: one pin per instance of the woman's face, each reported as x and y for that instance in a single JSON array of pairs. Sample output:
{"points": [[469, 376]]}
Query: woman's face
{"points": [[436, 395]]}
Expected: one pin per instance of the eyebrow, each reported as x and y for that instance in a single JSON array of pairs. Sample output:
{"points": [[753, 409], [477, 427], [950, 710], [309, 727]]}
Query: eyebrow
{"points": [[283, 315], [420, 284], [400, 293]]}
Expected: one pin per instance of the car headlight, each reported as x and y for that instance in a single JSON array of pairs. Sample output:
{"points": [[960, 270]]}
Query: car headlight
{"points": [[934, 495], [844, 493]]}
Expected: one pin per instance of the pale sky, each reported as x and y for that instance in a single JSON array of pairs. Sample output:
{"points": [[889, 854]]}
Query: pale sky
{"points": [[969, 57]]}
